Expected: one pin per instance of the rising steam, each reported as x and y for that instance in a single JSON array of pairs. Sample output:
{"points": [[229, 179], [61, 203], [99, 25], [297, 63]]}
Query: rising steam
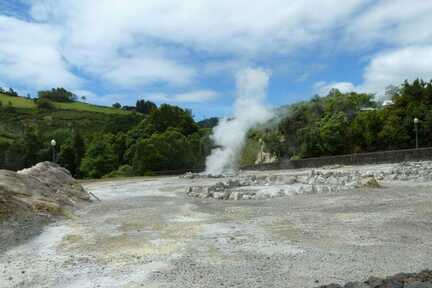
{"points": [[249, 111]]}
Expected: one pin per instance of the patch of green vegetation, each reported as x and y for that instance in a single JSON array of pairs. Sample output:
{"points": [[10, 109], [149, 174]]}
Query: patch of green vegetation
{"points": [[250, 152], [345, 123], [17, 102], [21, 102], [80, 106]]}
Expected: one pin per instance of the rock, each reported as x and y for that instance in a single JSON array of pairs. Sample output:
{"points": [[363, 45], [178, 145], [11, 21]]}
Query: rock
{"points": [[235, 196], [188, 175], [332, 286], [43, 188], [218, 187], [374, 281], [233, 183], [356, 285], [418, 284], [370, 182]]}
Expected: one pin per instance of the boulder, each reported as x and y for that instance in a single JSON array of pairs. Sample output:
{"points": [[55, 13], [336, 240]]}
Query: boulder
{"points": [[44, 188]]}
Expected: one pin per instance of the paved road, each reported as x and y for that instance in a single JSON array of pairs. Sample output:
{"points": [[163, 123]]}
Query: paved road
{"points": [[146, 233]]}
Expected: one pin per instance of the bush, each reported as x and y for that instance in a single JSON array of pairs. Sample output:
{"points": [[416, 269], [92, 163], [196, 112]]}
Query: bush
{"points": [[57, 95], [44, 104]]}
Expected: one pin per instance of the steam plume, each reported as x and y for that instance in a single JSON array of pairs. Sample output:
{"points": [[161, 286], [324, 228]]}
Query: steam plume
{"points": [[249, 111]]}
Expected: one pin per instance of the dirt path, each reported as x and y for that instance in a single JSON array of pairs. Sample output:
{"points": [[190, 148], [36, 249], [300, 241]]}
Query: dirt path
{"points": [[148, 234]]}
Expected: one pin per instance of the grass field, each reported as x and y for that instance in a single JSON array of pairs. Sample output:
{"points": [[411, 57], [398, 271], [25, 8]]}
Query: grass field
{"points": [[21, 102]]}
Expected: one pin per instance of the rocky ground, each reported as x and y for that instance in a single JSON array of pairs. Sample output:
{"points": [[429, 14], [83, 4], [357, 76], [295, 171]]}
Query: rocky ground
{"points": [[149, 233]]}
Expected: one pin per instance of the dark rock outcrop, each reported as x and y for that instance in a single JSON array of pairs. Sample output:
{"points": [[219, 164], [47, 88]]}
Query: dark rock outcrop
{"points": [[400, 280]]}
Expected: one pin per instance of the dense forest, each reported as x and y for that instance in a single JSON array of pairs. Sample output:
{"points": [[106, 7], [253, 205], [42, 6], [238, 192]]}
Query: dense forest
{"points": [[343, 123], [94, 141]]}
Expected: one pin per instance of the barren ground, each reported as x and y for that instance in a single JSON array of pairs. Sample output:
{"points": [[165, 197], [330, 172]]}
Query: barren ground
{"points": [[147, 233]]}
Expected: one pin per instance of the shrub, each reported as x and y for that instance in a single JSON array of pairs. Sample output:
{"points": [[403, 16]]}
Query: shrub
{"points": [[44, 104], [57, 95]]}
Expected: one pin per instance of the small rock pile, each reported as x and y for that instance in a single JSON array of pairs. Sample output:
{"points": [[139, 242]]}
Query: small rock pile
{"points": [[409, 171], [401, 280], [261, 187], [316, 181]]}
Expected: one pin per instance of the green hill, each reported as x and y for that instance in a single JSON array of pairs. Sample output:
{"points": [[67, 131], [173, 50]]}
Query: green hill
{"points": [[19, 114], [94, 141], [21, 102]]}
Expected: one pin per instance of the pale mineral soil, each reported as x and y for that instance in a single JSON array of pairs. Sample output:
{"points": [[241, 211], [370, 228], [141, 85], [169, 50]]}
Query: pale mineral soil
{"points": [[147, 233]]}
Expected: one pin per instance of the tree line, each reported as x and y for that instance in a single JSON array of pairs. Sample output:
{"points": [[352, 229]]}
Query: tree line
{"points": [[344, 123], [145, 141]]}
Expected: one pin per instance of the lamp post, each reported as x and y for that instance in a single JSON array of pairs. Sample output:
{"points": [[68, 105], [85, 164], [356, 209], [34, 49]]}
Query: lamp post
{"points": [[416, 122], [53, 145]]}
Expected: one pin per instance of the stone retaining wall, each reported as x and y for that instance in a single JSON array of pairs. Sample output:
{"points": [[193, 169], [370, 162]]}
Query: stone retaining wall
{"points": [[394, 156]]}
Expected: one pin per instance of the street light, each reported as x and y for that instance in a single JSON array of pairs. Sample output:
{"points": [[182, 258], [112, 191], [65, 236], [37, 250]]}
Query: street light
{"points": [[53, 145], [416, 121]]}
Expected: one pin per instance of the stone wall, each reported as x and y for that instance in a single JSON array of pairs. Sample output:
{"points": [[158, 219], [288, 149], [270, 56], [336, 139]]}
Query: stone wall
{"points": [[394, 156]]}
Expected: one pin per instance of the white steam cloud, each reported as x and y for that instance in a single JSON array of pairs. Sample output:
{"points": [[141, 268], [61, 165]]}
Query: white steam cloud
{"points": [[250, 110]]}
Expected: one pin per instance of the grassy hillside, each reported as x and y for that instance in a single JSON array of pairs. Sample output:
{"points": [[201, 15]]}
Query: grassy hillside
{"points": [[18, 114], [21, 102]]}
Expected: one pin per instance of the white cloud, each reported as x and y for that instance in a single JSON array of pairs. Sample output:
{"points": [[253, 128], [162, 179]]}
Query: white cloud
{"points": [[388, 68], [140, 71], [322, 88], [397, 22], [128, 47], [224, 25], [90, 96], [99, 35], [199, 96], [29, 55], [395, 66]]}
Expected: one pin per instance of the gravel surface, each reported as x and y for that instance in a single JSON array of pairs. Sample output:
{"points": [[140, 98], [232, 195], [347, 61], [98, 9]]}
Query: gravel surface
{"points": [[148, 233]]}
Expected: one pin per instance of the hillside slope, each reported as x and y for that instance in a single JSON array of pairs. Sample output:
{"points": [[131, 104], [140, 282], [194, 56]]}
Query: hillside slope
{"points": [[21, 102]]}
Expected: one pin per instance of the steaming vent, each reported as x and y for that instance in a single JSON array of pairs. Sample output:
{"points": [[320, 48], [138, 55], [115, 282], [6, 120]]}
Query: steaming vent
{"points": [[249, 110]]}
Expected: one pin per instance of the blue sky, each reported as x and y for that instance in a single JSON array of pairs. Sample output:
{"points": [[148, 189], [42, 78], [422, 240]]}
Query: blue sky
{"points": [[189, 52]]}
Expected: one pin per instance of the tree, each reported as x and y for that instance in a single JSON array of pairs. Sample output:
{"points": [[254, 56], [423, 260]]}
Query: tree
{"points": [[116, 105], [273, 144], [162, 151], [12, 92], [209, 123], [168, 116], [99, 158], [332, 133], [31, 144], [120, 146], [393, 135], [66, 157], [57, 95], [71, 154], [145, 107], [44, 104], [78, 145], [364, 131], [391, 92]]}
